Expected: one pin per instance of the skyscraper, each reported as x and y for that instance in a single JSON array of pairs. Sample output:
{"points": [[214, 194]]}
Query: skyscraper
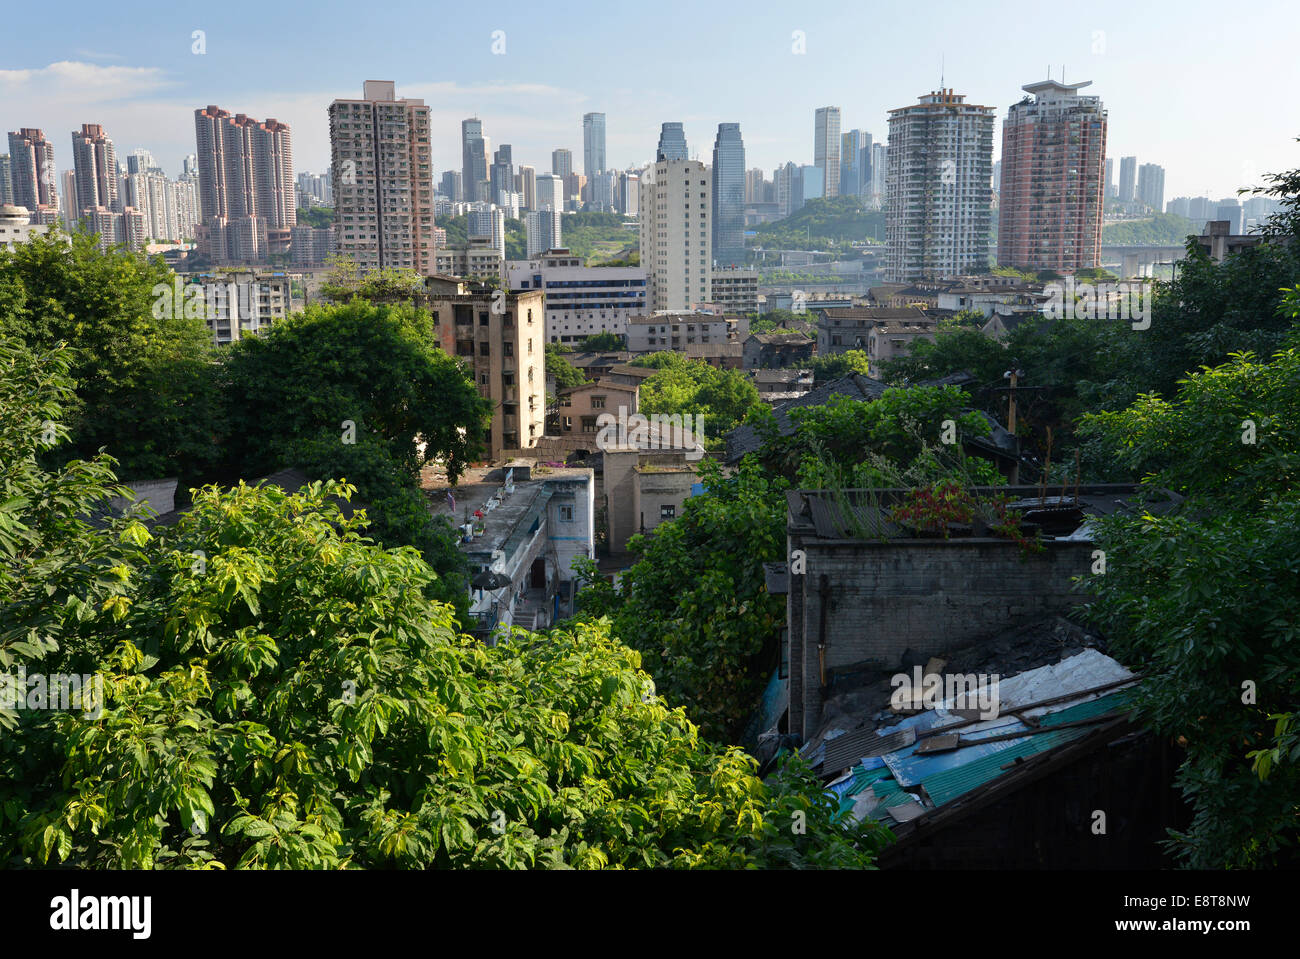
{"points": [[474, 157], [96, 164], [1128, 179], [31, 172], [879, 167], [672, 143], [1151, 186], [562, 163], [503, 173], [6, 181], [453, 185], [855, 163], [383, 180], [593, 144], [675, 236], [729, 196], [938, 188], [1110, 179], [550, 192], [69, 183], [542, 231], [1053, 161], [527, 185], [247, 192], [826, 148]]}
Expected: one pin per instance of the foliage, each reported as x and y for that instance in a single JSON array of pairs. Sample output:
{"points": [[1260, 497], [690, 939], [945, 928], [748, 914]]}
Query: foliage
{"points": [[828, 369], [1205, 601], [693, 387], [558, 367], [397, 509], [779, 320], [54, 568], [140, 373], [298, 703], [696, 605], [375, 366], [602, 342], [1163, 229], [821, 224], [316, 217], [346, 281], [870, 440]]}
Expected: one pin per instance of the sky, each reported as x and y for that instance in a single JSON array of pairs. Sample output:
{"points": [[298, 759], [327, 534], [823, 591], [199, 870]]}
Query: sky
{"points": [[1205, 89]]}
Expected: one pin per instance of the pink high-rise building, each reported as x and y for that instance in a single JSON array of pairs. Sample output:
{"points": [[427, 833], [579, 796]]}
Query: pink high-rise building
{"points": [[1053, 178]]}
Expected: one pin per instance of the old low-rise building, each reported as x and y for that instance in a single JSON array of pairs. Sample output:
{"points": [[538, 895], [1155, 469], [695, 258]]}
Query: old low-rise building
{"points": [[521, 526], [854, 329], [773, 351], [657, 332], [501, 336]]}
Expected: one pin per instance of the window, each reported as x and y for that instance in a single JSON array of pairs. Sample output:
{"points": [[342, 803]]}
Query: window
{"points": [[566, 514], [667, 512], [598, 402]]}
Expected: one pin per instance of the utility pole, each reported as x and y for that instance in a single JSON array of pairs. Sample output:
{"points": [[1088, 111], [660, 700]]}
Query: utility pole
{"points": [[1013, 376]]}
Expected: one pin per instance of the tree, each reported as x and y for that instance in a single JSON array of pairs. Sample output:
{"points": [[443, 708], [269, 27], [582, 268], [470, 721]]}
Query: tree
{"points": [[870, 443], [298, 703], [601, 342], [696, 606], [55, 569], [346, 281], [140, 365], [828, 369], [558, 367], [1205, 600], [374, 367], [693, 387]]}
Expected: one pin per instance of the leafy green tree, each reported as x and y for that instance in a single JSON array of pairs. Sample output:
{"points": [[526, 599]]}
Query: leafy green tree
{"points": [[346, 281], [867, 442], [828, 369], [558, 366], [297, 702], [55, 569], [601, 342], [375, 367], [1205, 601], [696, 606], [396, 507], [140, 365], [693, 387]]}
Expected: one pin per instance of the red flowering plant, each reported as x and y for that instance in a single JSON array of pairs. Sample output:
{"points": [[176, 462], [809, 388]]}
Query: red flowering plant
{"points": [[935, 508], [946, 503]]}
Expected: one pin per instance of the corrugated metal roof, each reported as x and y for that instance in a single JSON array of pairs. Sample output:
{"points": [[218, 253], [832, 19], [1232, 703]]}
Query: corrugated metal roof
{"points": [[911, 768], [946, 786]]}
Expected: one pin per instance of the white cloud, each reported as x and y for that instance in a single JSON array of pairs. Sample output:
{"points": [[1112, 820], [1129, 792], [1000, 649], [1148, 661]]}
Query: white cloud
{"points": [[80, 82]]}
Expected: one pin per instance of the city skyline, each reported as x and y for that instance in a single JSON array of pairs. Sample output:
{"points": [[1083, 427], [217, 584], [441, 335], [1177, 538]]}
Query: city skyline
{"points": [[143, 84]]}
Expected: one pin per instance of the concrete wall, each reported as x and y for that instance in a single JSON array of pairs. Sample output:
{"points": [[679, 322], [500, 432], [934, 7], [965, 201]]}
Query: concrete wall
{"points": [[926, 595]]}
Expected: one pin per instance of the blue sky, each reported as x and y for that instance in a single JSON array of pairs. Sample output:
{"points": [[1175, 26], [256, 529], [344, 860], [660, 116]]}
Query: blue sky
{"points": [[1205, 89]]}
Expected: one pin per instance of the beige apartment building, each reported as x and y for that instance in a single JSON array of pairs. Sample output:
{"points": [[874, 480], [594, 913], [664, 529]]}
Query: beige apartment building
{"points": [[676, 234], [580, 407], [383, 180], [502, 338]]}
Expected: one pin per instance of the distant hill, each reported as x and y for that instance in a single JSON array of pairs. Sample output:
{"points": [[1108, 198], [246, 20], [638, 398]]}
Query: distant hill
{"points": [[822, 224], [1163, 229]]}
